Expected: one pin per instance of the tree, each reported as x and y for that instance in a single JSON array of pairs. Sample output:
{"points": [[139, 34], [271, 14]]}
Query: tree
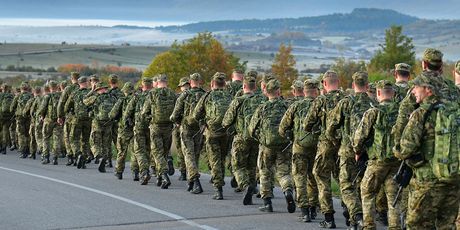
{"points": [[345, 69], [202, 54], [397, 48], [284, 66]]}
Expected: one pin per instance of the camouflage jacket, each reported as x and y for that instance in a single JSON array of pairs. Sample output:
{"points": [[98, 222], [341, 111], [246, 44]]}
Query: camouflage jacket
{"points": [[401, 90], [184, 107], [6, 99], [101, 105], [134, 109], [31, 108], [212, 108], [240, 112], [320, 110], [293, 122], [116, 92], [75, 105], [345, 117], [48, 107], [159, 106], [19, 103], [117, 113], [233, 87], [291, 100], [68, 91]]}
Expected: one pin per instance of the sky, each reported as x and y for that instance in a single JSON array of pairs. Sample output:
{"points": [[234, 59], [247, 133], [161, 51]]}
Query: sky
{"points": [[167, 12]]}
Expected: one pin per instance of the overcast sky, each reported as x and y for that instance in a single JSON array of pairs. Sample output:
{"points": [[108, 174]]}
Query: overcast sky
{"points": [[183, 11]]}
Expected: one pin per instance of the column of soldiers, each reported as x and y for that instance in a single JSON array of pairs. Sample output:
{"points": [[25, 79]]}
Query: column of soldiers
{"points": [[361, 139]]}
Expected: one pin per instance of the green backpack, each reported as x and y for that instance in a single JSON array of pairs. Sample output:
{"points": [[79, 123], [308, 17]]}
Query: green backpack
{"points": [[303, 138], [22, 101], [52, 106], [269, 125], [355, 116], [217, 104], [383, 142], [5, 104], [163, 102], [446, 157], [106, 103]]}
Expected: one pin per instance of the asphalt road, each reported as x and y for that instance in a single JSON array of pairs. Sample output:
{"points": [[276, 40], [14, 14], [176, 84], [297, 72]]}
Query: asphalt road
{"points": [[35, 196]]}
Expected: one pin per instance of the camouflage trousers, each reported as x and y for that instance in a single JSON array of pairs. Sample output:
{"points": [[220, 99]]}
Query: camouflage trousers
{"points": [[381, 203], [160, 142], [179, 154], [39, 136], [379, 175], [52, 138], [124, 143], [32, 140], [324, 168], [272, 162], [5, 139], [217, 148], [114, 136], [22, 130], [191, 147], [302, 174], [432, 205], [347, 173], [13, 134], [102, 138], [79, 137], [142, 148], [244, 160], [66, 135]]}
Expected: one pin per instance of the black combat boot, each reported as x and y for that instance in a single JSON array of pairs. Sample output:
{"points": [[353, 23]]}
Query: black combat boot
{"points": [[197, 189], [159, 180], [33, 156], [190, 186], [247, 200], [329, 221], [23, 155], [218, 195], [233, 182], [4, 150], [267, 205], [145, 177], [171, 169], [382, 217], [55, 160], [62, 155], [135, 175], [346, 214], [46, 160], [89, 159], [110, 163], [80, 161], [101, 167], [166, 182], [289, 201], [119, 175], [183, 176], [357, 222], [13, 147], [69, 161], [96, 160], [305, 214], [313, 212]]}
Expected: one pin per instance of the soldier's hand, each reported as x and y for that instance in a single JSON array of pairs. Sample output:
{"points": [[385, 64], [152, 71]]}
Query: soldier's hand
{"points": [[357, 157]]}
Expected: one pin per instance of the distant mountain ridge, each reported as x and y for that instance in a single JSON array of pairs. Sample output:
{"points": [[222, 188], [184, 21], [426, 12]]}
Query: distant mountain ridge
{"points": [[360, 19]]}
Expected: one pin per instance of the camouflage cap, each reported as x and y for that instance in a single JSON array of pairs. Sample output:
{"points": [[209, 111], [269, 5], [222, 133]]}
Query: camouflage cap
{"points": [[311, 84], [94, 78], [267, 77], [330, 74], [63, 83], [37, 89], [249, 78], [52, 84], [433, 56], [252, 73], [195, 77], [457, 67], [25, 86], [162, 77], [147, 80], [183, 81], [46, 88], [424, 79], [402, 67], [297, 84], [272, 85], [238, 70], [75, 75], [219, 77], [113, 78], [371, 87], [384, 84], [82, 79], [128, 87], [101, 85], [360, 77]]}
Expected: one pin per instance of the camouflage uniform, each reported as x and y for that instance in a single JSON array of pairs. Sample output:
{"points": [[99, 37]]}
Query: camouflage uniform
{"points": [[326, 156], [141, 131], [101, 125], [272, 160], [51, 129], [80, 124], [22, 120], [117, 93], [211, 109], [433, 203], [382, 165], [244, 149], [68, 91], [125, 130], [176, 138], [159, 105], [344, 119], [303, 151], [234, 87], [190, 136], [6, 116]]}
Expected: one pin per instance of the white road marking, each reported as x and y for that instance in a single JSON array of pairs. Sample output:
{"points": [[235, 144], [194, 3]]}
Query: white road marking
{"points": [[126, 200]]}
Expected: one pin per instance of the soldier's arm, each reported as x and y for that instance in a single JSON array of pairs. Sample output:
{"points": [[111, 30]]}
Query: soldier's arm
{"points": [[412, 135], [14, 104], [42, 108], [62, 101], [147, 107], [178, 111], [116, 110], [362, 133], [199, 111], [230, 115], [407, 106], [90, 99], [255, 120], [68, 105], [26, 109], [131, 107], [287, 122], [335, 119], [313, 115]]}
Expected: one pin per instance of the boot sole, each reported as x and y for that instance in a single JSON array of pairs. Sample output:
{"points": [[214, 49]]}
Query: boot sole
{"points": [[247, 200], [171, 169], [290, 203]]}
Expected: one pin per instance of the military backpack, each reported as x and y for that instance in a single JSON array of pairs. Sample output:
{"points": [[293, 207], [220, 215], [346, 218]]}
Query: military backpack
{"points": [[269, 125], [383, 141], [163, 101]]}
